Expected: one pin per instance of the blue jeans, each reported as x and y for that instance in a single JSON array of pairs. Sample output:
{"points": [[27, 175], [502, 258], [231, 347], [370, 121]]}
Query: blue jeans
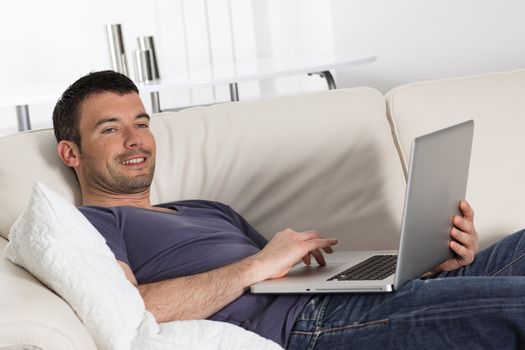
{"points": [[481, 306]]}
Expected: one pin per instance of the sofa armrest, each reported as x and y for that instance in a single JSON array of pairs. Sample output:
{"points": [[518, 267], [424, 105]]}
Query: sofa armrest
{"points": [[32, 315]]}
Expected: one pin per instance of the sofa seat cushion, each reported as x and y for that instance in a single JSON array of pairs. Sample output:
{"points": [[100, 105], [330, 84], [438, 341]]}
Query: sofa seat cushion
{"points": [[32, 316]]}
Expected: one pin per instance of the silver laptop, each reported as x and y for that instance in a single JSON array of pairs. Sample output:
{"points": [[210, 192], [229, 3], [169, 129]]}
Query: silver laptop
{"points": [[437, 181]]}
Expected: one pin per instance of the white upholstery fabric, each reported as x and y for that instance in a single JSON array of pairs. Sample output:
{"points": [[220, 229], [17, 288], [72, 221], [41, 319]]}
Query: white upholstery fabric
{"points": [[32, 316], [28, 157], [496, 102], [321, 161], [56, 243], [197, 335]]}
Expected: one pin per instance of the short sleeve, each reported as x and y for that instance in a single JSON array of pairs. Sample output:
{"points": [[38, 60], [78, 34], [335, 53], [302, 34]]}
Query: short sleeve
{"points": [[106, 224]]}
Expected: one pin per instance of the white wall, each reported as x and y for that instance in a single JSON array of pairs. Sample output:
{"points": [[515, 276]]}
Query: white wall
{"points": [[428, 39], [54, 42], [293, 28], [57, 41]]}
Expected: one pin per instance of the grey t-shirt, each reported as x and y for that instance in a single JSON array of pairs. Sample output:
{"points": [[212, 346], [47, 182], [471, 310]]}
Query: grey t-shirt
{"points": [[197, 237]]}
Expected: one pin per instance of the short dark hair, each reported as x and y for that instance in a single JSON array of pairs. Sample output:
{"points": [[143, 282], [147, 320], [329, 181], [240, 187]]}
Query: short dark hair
{"points": [[66, 113]]}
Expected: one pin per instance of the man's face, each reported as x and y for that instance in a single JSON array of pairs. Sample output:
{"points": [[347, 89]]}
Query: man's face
{"points": [[117, 148]]}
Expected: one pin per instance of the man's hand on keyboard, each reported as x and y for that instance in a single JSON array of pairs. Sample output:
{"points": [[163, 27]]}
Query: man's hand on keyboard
{"points": [[288, 247]]}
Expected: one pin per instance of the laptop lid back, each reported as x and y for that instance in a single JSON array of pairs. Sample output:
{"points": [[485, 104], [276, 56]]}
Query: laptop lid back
{"points": [[437, 181]]}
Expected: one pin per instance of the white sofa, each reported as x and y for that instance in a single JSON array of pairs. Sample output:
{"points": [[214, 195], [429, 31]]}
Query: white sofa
{"points": [[332, 161]]}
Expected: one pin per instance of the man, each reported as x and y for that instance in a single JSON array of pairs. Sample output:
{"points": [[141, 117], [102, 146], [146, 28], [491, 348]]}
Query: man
{"points": [[180, 255]]}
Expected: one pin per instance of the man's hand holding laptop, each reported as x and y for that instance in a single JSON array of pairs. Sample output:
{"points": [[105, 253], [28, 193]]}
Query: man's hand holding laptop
{"points": [[464, 242]]}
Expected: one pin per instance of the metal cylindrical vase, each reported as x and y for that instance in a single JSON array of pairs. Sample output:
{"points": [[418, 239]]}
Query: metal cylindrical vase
{"points": [[143, 65], [147, 43], [116, 48]]}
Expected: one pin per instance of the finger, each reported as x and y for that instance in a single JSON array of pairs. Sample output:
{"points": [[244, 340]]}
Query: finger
{"points": [[318, 257], [466, 209], [458, 249], [320, 243], [464, 225], [449, 265], [465, 255], [306, 259], [468, 241], [464, 238], [307, 235], [328, 250]]}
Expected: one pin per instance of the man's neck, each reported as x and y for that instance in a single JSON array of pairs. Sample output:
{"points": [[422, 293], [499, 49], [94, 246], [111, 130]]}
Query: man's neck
{"points": [[104, 199]]}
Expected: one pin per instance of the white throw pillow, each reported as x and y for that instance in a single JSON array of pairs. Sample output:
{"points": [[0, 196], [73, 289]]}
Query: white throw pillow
{"points": [[57, 244], [54, 241]]}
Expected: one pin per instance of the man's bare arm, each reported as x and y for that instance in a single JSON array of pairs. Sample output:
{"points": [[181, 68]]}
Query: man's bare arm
{"points": [[197, 296], [200, 296]]}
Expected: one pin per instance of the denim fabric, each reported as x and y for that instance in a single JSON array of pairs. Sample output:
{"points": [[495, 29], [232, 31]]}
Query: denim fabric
{"points": [[481, 306]]}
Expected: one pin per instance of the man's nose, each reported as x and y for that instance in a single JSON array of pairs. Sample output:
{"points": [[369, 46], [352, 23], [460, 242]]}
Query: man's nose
{"points": [[132, 138]]}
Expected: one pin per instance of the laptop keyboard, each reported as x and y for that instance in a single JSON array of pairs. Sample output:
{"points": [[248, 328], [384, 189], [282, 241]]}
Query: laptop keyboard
{"points": [[376, 267]]}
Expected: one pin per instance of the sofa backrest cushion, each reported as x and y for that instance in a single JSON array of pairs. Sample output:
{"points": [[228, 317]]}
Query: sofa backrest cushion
{"points": [[496, 102], [321, 161], [28, 157]]}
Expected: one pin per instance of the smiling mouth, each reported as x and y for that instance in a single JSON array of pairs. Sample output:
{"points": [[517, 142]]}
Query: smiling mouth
{"points": [[134, 161]]}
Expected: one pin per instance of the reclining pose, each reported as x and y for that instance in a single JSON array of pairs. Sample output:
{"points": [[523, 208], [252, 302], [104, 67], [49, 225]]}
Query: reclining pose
{"points": [[196, 259]]}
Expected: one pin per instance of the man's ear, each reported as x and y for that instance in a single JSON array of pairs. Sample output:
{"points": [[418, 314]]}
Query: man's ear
{"points": [[69, 153]]}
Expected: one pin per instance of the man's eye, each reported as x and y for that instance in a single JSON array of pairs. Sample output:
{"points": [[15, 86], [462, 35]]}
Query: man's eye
{"points": [[109, 130], [143, 126]]}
